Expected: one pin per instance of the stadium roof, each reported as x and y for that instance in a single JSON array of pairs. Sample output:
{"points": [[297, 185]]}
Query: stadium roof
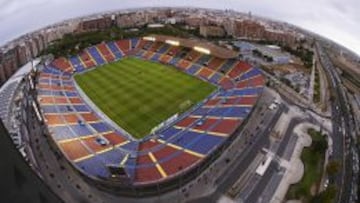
{"points": [[214, 50]]}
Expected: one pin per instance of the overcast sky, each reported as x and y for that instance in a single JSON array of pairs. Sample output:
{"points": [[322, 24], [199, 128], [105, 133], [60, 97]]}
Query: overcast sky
{"points": [[338, 20]]}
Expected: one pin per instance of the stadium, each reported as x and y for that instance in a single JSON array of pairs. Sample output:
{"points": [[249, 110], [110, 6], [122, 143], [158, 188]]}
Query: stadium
{"points": [[144, 115], [107, 103]]}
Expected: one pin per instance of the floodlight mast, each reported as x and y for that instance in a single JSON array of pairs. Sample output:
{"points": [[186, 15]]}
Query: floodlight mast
{"points": [[202, 50], [172, 42], [148, 38]]}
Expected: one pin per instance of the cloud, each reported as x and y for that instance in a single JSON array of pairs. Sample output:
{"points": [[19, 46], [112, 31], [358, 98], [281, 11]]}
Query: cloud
{"points": [[335, 19], [9, 8]]}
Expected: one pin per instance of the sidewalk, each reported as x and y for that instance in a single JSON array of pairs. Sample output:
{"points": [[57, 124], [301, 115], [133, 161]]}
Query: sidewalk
{"points": [[295, 167]]}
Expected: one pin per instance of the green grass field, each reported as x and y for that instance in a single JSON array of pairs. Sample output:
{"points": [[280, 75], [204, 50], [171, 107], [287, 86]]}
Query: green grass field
{"points": [[139, 95], [313, 159]]}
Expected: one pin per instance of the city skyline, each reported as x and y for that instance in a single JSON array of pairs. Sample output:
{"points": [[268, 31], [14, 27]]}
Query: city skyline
{"points": [[333, 19]]}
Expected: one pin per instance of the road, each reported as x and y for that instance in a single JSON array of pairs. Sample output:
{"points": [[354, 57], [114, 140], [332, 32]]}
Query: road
{"points": [[256, 193], [342, 131], [285, 141]]}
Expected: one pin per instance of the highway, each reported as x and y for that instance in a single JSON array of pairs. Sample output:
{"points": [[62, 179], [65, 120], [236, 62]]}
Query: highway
{"points": [[342, 130]]}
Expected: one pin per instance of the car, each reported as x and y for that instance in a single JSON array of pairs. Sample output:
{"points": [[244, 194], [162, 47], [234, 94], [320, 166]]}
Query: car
{"points": [[326, 183], [272, 106], [200, 123], [330, 152], [101, 141], [80, 122]]}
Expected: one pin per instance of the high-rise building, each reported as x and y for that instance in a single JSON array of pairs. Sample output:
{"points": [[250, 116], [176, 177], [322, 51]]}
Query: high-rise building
{"points": [[94, 24], [211, 31]]}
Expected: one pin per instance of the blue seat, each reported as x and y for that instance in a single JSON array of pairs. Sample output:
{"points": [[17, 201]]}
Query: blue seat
{"points": [[238, 112], [130, 167], [81, 108], [147, 45], [62, 93], [174, 61], [163, 48], [200, 111], [155, 57], [215, 78], [96, 55], [112, 157], [56, 81], [140, 53], [131, 146], [230, 111], [44, 92], [204, 59], [185, 138], [206, 144], [76, 63], [217, 112], [166, 134], [241, 92], [81, 130], [133, 43], [193, 69], [227, 65], [101, 127], [44, 81], [253, 72], [68, 83], [47, 70], [51, 70], [62, 132], [247, 91], [94, 167], [227, 93], [66, 75], [71, 94], [115, 50], [57, 109]]}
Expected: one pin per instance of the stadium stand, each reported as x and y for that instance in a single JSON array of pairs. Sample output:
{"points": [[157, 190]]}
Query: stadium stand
{"points": [[86, 60], [162, 49], [105, 52], [92, 144], [124, 45], [117, 52], [63, 64], [134, 43], [76, 63]]}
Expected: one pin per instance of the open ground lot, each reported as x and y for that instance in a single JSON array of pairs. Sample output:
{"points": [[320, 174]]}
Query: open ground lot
{"points": [[139, 95]]}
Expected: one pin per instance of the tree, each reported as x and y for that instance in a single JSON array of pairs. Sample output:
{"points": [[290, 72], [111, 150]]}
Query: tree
{"points": [[332, 97], [320, 146], [326, 196], [332, 168], [256, 52]]}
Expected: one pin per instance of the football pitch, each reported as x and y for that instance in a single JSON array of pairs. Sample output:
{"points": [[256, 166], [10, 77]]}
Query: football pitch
{"points": [[138, 95]]}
